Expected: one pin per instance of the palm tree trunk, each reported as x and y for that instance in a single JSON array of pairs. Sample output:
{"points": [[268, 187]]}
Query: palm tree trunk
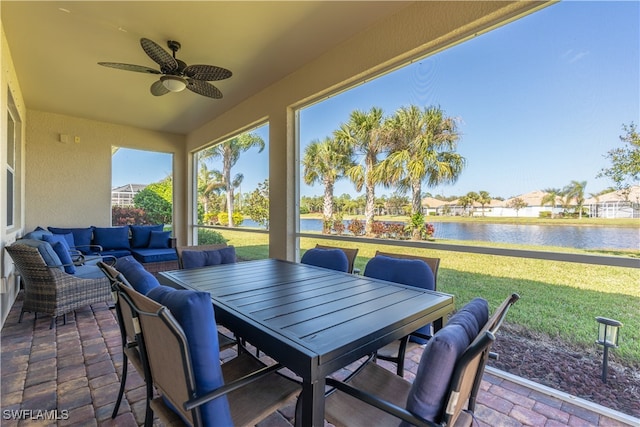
{"points": [[226, 171], [327, 206]]}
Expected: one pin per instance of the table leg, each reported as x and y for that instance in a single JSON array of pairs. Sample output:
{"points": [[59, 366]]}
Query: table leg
{"points": [[312, 408]]}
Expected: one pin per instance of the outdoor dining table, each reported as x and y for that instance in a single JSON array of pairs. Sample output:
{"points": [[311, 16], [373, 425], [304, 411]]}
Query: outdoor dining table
{"points": [[311, 320]]}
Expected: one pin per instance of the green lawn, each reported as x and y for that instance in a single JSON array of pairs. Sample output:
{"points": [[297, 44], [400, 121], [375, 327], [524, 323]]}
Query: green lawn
{"points": [[558, 299]]}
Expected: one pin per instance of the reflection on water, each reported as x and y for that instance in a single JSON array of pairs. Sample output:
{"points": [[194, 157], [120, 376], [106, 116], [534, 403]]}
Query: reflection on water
{"points": [[539, 235]]}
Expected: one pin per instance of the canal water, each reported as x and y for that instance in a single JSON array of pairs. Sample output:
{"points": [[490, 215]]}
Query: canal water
{"points": [[586, 237]]}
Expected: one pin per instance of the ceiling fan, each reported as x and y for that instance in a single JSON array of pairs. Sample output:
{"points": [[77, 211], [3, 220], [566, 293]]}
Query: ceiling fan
{"points": [[176, 75]]}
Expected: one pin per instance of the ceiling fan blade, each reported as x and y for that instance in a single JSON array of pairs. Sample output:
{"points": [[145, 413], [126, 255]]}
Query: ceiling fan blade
{"points": [[163, 58], [203, 88], [130, 67], [158, 89], [207, 72]]}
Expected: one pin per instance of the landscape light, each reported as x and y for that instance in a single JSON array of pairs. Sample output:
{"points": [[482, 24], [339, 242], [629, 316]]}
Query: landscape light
{"points": [[607, 337]]}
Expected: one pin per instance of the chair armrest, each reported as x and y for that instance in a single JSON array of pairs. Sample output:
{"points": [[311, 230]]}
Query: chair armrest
{"points": [[383, 405], [228, 388], [173, 242], [94, 248]]}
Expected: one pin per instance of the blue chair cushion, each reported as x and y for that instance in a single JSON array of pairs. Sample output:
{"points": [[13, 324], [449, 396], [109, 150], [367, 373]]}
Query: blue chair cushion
{"points": [[37, 234], [428, 391], [111, 237], [81, 236], [159, 239], [194, 312], [334, 259], [141, 280], [140, 234], [154, 255], [44, 248], [59, 243], [412, 272], [472, 317], [197, 259], [116, 253]]}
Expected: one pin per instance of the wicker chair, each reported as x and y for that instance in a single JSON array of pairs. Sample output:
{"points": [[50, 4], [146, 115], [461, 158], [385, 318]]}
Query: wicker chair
{"points": [[51, 291]]}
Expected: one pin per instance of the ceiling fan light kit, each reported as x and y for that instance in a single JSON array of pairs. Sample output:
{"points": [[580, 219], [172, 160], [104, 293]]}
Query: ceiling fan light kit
{"points": [[176, 75]]}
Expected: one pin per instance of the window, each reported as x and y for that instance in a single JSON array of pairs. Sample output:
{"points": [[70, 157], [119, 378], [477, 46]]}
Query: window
{"points": [[13, 141]]}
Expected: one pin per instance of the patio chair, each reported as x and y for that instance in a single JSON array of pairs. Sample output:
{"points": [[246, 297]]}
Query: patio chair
{"points": [[195, 389], [395, 352], [335, 259], [350, 253], [446, 384], [51, 291]]}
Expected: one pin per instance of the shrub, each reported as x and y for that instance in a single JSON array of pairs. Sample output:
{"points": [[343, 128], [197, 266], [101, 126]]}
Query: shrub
{"points": [[356, 227], [210, 237], [125, 215], [379, 228], [223, 218]]}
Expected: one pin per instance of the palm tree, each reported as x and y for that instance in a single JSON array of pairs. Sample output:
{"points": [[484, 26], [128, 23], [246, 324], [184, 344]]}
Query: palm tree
{"points": [[209, 185], [551, 196], [326, 161], [424, 143], [229, 151], [484, 199], [364, 135], [575, 191]]}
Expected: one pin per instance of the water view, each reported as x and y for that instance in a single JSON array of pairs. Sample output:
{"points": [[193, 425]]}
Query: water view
{"points": [[541, 235]]}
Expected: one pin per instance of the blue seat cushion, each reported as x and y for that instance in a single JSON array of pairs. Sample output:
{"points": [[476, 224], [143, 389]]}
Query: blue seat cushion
{"points": [[412, 272], [194, 312], [81, 236], [117, 253], [111, 237], [159, 239], [154, 255], [334, 259], [197, 259], [89, 271], [140, 234], [141, 280], [472, 317], [429, 389]]}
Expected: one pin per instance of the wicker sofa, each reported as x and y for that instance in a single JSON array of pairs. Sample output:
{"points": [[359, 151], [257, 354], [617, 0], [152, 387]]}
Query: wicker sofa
{"points": [[150, 245]]}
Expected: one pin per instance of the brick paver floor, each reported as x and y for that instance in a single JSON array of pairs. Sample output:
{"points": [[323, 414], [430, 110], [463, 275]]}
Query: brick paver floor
{"points": [[72, 372]]}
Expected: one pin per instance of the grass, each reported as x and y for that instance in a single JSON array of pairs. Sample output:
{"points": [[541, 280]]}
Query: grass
{"points": [[558, 299]]}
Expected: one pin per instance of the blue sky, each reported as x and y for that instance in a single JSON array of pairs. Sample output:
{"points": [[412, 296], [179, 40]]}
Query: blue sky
{"points": [[539, 101]]}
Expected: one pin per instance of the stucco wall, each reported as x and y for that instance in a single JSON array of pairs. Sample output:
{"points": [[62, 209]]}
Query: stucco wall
{"points": [[69, 184]]}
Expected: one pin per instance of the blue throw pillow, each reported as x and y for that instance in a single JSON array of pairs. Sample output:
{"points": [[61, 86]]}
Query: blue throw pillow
{"points": [[159, 239], [67, 239], [81, 236], [428, 391], [62, 251], [37, 234], [194, 312], [139, 278], [334, 259], [111, 237], [140, 234]]}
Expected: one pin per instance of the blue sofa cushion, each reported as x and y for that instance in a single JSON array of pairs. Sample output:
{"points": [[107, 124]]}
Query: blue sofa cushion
{"points": [[140, 234], [159, 239], [428, 391], [154, 255], [141, 280], [81, 236], [334, 259], [117, 253], [194, 312], [37, 234], [111, 237], [59, 243], [412, 272]]}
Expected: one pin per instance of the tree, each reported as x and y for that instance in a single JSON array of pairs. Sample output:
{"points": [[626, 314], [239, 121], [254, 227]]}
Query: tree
{"points": [[484, 199], [364, 135], [551, 197], [575, 191], [468, 200], [517, 204], [229, 151], [257, 206], [156, 200], [625, 161], [209, 188], [326, 161], [424, 143]]}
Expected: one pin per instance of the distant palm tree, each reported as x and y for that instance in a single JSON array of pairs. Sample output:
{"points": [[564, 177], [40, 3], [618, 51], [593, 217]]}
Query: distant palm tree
{"points": [[575, 191], [551, 197], [364, 135], [424, 143], [209, 185], [484, 199], [229, 151], [326, 161]]}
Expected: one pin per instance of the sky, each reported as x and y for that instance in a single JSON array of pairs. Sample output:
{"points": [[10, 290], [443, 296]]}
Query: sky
{"points": [[539, 102]]}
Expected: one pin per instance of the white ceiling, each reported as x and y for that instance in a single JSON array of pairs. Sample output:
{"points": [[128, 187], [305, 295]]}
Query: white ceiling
{"points": [[56, 47]]}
